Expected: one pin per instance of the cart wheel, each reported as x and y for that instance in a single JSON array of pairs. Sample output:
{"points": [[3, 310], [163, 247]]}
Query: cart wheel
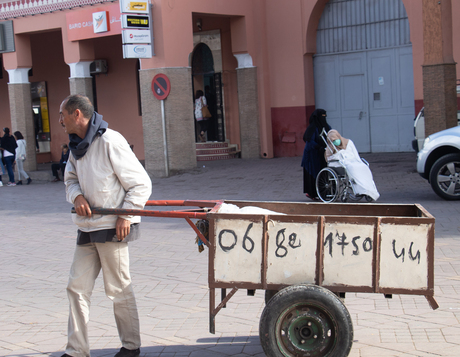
{"points": [[305, 320], [269, 294]]}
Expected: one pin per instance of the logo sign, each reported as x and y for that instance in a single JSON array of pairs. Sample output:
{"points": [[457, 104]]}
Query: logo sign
{"points": [[136, 36], [80, 23], [137, 7], [137, 51], [100, 23], [161, 86], [134, 21]]}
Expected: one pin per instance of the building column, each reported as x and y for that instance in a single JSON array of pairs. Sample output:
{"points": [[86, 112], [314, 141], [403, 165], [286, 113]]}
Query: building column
{"points": [[439, 67], [248, 107], [180, 151], [21, 112], [80, 80]]}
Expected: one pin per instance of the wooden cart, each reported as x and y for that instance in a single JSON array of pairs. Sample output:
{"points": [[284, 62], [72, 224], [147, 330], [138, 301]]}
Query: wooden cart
{"points": [[306, 256]]}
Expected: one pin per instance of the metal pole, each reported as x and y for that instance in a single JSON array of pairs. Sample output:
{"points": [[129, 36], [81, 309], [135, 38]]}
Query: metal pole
{"points": [[165, 144]]}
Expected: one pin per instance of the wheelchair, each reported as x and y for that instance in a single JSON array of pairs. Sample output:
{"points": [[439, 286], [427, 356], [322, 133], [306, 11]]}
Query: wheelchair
{"points": [[333, 183]]}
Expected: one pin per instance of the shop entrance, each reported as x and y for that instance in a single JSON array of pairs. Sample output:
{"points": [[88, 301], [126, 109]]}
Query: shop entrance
{"points": [[206, 78], [41, 117]]}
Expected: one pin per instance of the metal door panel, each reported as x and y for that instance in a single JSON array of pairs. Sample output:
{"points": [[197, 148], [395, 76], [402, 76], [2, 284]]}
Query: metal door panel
{"points": [[406, 109], [384, 133], [327, 92], [355, 122], [382, 94], [391, 99]]}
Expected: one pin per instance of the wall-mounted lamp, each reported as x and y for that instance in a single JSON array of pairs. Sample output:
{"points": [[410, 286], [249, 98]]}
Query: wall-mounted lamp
{"points": [[198, 24]]}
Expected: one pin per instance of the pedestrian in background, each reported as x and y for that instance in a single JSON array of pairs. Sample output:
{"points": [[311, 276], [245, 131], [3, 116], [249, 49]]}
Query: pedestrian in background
{"points": [[2, 166], [8, 147], [62, 163], [313, 160], [102, 171], [202, 122], [21, 157]]}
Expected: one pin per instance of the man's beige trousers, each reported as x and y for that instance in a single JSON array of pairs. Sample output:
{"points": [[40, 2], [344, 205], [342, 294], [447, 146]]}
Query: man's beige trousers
{"points": [[88, 260]]}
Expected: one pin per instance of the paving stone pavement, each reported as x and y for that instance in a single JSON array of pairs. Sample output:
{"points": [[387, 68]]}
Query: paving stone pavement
{"points": [[170, 276]]}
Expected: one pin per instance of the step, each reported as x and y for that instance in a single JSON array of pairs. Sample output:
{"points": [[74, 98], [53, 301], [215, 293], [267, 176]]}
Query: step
{"points": [[210, 145], [216, 157], [216, 151]]}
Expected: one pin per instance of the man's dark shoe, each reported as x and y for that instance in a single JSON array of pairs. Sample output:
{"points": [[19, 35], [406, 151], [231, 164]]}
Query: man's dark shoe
{"points": [[66, 355], [128, 353]]}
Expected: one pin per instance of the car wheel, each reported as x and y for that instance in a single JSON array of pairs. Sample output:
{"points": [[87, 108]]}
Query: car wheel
{"points": [[445, 177]]}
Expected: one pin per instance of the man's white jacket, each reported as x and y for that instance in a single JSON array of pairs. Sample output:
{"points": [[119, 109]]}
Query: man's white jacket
{"points": [[109, 175]]}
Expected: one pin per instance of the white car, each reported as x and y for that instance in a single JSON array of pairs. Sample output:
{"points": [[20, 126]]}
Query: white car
{"points": [[439, 162], [419, 129]]}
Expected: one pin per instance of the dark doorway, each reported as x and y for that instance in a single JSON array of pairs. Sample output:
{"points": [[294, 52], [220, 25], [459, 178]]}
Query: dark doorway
{"points": [[204, 78]]}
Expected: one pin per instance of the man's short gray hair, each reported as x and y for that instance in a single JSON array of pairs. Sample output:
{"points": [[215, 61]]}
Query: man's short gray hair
{"points": [[78, 101]]}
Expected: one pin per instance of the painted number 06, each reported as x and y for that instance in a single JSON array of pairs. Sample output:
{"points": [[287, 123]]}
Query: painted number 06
{"points": [[228, 240]]}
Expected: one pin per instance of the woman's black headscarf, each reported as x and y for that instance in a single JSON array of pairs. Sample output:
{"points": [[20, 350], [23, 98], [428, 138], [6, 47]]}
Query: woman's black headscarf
{"points": [[317, 121]]}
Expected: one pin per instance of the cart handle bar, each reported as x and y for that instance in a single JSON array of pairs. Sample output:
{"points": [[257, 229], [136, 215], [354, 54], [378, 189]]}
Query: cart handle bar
{"points": [[147, 213], [196, 203], [200, 214]]}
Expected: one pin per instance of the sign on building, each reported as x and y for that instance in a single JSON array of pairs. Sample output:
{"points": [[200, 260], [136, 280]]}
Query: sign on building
{"points": [[137, 29], [6, 36]]}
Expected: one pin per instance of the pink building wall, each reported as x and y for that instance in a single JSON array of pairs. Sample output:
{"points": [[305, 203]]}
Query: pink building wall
{"points": [[4, 102], [279, 36], [292, 30], [49, 66], [117, 91]]}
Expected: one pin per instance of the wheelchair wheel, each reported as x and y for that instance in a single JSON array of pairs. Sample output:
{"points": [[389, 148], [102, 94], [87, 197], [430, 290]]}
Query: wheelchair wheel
{"points": [[328, 185]]}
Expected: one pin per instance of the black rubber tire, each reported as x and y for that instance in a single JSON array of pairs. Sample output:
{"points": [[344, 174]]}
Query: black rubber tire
{"points": [[445, 177], [269, 294], [354, 198], [369, 199], [305, 320]]}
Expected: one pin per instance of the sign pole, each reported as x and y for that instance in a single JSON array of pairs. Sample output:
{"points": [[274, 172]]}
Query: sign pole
{"points": [[161, 86], [165, 144]]}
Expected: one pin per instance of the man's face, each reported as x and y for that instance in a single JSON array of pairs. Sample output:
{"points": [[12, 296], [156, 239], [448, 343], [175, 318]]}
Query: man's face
{"points": [[67, 120]]}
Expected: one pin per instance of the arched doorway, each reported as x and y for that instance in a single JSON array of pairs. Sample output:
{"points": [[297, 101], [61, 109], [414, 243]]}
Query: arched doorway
{"points": [[205, 78], [364, 74]]}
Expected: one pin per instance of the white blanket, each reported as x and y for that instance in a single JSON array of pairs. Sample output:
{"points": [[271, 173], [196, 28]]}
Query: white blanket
{"points": [[358, 171], [231, 208]]}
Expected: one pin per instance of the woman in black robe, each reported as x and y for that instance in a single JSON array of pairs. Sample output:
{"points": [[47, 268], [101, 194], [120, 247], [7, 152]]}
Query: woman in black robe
{"points": [[313, 155]]}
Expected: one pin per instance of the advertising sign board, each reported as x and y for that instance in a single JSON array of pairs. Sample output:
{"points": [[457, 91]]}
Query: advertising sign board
{"points": [[136, 36], [135, 21], [135, 7], [137, 51]]}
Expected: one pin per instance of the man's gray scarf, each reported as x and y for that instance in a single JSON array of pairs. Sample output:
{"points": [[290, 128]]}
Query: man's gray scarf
{"points": [[96, 127]]}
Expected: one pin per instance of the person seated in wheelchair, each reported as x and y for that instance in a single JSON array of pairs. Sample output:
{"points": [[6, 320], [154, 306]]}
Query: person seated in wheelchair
{"points": [[341, 152]]}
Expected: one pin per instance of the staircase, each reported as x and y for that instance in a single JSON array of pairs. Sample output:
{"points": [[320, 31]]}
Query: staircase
{"points": [[210, 151]]}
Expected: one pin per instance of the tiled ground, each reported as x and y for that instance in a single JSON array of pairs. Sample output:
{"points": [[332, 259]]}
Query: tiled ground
{"points": [[170, 276]]}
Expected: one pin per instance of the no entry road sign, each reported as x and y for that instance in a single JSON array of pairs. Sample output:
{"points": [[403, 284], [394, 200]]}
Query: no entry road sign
{"points": [[161, 86]]}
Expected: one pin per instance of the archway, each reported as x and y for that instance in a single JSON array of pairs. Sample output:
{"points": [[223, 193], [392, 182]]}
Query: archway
{"points": [[206, 79], [363, 73]]}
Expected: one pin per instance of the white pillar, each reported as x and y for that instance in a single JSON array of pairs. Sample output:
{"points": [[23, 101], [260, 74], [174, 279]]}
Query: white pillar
{"points": [[80, 80], [18, 75], [80, 69]]}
